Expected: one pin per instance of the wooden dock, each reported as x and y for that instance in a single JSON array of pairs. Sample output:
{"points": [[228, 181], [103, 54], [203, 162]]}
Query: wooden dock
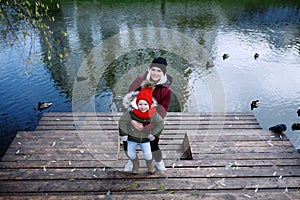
{"points": [[208, 156]]}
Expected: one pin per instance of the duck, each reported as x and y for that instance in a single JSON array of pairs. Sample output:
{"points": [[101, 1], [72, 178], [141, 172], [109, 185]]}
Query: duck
{"points": [[279, 128], [225, 56], [295, 126], [256, 55], [254, 104], [44, 105]]}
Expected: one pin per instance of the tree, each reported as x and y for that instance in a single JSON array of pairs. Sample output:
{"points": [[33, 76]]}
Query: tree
{"points": [[23, 23]]}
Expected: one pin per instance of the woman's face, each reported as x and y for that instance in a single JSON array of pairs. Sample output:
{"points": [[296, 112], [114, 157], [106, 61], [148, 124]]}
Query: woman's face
{"points": [[155, 74], [143, 106]]}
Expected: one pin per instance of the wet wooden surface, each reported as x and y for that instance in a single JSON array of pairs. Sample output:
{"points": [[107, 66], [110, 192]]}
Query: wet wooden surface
{"points": [[75, 156]]}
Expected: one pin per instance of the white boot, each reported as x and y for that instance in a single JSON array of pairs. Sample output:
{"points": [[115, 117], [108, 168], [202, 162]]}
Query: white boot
{"points": [[128, 167], [160, 165]]}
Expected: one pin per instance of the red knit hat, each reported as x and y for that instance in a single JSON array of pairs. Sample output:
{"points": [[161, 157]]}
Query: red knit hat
{"points": [[145, 93]]}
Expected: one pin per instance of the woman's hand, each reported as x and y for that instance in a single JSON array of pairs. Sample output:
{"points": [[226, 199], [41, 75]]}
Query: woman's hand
{"points": [[137, 125]]}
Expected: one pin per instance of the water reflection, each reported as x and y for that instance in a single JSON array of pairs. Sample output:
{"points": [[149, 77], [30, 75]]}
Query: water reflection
{"points": [[240, 29]]}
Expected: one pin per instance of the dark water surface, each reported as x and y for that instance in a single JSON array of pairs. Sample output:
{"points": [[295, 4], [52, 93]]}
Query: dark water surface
{"points": [[111, 43]]}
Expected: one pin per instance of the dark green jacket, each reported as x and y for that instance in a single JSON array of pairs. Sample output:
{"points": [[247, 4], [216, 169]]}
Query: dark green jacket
{"points": [[125, 127]]}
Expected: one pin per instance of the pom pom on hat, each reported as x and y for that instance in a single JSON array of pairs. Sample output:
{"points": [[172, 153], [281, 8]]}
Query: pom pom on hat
{"points": [[160, 63]]}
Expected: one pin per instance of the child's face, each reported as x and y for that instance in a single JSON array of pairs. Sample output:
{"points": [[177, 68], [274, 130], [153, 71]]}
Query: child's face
{"points": [[143, 106], [156, 74]]}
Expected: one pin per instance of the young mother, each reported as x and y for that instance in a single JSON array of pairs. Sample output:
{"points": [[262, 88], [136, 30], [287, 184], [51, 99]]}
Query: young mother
{"points": [[162, 93]]}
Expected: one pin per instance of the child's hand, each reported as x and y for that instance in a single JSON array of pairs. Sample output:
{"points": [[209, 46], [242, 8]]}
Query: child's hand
{"points": [[124, 138], [151, 137]]}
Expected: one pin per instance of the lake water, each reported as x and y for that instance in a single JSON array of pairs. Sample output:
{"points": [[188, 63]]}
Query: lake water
{"points": [[109, 44]]}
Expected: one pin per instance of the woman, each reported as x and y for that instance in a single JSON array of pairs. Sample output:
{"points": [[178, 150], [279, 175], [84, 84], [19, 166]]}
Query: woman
{"points": [[162, 93]]}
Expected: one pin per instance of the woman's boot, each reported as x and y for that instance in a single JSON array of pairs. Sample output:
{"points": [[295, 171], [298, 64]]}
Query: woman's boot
{"points": [[136, 165], [150, 166]]}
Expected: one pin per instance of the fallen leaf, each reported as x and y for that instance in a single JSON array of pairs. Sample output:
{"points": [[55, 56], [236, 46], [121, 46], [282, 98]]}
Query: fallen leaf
{"points": [[163, 187]]}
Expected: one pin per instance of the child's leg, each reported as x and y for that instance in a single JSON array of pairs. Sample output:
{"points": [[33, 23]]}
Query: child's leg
{"points": [[146, 149], [131, 149]]}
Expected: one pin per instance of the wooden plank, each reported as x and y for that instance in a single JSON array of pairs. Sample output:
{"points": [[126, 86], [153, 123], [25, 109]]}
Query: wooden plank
{"points": [[97, 185], [71, 133], [191, 194], [176, 114], [48, 173], [167, 127], [29, 164]]}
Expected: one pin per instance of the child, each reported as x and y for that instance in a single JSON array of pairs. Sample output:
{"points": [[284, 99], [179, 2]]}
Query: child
{"points": [[144, 112]]}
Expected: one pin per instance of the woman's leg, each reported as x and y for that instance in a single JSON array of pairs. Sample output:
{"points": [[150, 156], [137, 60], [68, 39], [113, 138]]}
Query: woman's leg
{"points": [[156, 152], [157, 155]]}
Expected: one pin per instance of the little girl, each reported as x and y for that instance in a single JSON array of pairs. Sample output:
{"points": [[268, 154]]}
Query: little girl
{"points": [[144, 112]]}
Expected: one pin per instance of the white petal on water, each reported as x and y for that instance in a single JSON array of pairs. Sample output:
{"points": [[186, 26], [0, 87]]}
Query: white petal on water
{"points": [[173, 165], [19, 143], [95, 176], [81, 151], [274, 174], [280, 136], [70, 163], [53, 161], [106, 155], [95, 169], [18, 152], [212, 174], [236, 117], [280, 177], [62, 138], [103, 168], [109, 118], [223, 184], [89, 144], [198, 168], [57, 119], [246, 195], [44, 168], [54, 143], [272, 136], [72, 170], [286, 190]]}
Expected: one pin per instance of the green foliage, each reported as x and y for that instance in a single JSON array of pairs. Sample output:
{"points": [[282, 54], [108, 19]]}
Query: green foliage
{"points": [[23, 23]]}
